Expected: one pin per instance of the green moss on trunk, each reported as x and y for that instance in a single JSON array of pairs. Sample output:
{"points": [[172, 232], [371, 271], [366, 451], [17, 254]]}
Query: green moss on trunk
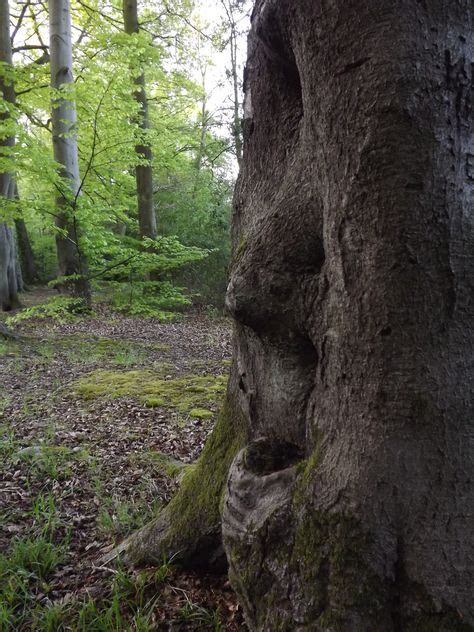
{"points": [[189, 527]]}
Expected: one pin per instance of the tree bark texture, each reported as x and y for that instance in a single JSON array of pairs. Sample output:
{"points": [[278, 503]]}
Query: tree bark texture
{"points": [[9, 278], [71, 259], [351, 508], [143, 171], [27, 257]]}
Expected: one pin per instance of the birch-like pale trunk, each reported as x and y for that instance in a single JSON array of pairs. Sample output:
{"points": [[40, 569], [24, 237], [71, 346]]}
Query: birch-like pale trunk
{"points": [[71, 259], [233, 44], [9, 279], [143, 171]]}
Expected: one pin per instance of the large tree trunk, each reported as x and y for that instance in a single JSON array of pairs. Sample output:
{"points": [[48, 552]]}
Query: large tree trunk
{"points": [[352, 288], [351, 506], [9, 274], [71, 258], [143, 171]]}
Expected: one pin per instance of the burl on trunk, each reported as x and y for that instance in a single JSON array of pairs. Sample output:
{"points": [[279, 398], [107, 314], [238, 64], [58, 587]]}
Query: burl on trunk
{"points": [[352, 507]]}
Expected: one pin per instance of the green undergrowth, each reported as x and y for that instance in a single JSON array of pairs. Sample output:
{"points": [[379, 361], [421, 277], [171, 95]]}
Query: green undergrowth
{"points": [[186, 394], [25, 572], [9, 348], [128, 600], [86, 350], [119, 518], [50, 461], [160, 462]]}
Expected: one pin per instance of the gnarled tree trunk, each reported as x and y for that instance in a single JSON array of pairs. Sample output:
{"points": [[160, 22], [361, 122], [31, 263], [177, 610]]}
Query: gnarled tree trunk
{"points": [[350, 508]]}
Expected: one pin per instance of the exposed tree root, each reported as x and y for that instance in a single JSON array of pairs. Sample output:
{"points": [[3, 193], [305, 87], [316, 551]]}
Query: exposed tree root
{"points": [[189, 528]]}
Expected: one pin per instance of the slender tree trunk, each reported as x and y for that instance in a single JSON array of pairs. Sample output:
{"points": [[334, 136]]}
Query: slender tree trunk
{"points": [[27, 258], [9, 280], [236, 127], [202, 136], [350, 508], [143, 171], [233, 47], [71, 258]]}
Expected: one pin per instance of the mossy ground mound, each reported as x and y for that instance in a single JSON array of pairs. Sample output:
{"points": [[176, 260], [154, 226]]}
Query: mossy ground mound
{"points": [[187, 394]]}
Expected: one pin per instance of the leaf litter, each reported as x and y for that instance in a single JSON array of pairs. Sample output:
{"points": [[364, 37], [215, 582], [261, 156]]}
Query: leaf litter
{"points": [[91, 471]]}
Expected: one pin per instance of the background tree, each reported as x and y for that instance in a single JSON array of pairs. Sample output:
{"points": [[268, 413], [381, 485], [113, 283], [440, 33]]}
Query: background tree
{"points": [[349, 506], [10, 281], [143, 169], [193, 248], [71, 257]]}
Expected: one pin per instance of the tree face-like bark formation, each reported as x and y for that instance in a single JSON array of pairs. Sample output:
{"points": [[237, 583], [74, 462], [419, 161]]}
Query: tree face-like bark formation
{"points": [[352, 291]]}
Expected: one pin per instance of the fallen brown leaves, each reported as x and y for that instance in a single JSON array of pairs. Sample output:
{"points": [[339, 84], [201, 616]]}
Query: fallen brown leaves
{"points": [[89, 460]]}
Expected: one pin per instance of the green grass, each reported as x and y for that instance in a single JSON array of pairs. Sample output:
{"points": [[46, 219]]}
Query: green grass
{"points": [[23, 571], [49, 461], [159, 461], [119, 517]]}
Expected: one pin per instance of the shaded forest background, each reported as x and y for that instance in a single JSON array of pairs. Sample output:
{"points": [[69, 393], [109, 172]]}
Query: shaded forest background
{"points": [[191, 70]]}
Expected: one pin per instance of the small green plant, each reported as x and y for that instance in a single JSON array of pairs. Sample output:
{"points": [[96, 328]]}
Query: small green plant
{"points": [[202, 617], [59, 309], [8, 444], [25, 567], [46, 519], [47, 461], [38, 558], [120, 518], [159, 461]]}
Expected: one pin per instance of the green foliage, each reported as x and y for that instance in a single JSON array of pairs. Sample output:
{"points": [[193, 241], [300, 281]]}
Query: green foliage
{"points": [[191, 169], [59, 308]]}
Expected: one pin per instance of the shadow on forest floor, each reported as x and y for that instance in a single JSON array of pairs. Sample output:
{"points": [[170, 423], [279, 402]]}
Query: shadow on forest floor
{"points": [[94, 436]]}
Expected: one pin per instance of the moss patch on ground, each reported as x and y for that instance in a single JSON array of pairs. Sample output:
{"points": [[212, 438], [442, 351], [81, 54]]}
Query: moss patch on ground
{"points": [[186, 394]]}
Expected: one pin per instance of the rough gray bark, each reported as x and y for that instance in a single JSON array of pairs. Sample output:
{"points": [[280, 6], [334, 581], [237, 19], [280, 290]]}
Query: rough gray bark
{"points": [[71, 259], [350, 506], [10, 281], [143, 172], [9, 277], [352, 289]]}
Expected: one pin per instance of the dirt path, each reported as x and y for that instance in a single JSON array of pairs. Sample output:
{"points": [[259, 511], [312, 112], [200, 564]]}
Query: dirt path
{"points": [[98, 418]]}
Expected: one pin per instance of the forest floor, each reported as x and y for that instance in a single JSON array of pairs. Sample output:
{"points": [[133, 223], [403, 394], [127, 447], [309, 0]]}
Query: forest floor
{"points": [[99, 417]]}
